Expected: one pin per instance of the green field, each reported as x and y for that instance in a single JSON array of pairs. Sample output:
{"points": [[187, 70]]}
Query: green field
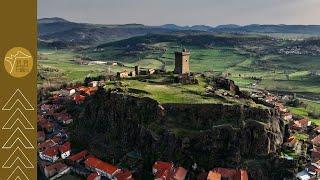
{"points": [[67, 69], [288, 74]]}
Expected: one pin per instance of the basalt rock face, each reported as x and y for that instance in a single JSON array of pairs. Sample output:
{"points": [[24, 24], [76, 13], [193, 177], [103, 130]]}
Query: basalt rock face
{"points": [[112, 124]]}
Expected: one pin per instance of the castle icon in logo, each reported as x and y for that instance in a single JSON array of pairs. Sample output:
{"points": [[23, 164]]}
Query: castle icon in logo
{"points": [[18, 62]]}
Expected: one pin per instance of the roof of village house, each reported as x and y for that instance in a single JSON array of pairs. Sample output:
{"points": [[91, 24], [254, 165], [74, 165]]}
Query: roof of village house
{"points": [[316, 140], [304, 121], [179, 173], [162, 174], [315, 155], [65, 147], [213, 176], [241, 175], [90, 90], [313, 168], [97, 163], [92, 176], [47, 144], [317, 129], [225, 172], [63, 116], [52, 151], [79, 155], [160, 165], [124, 175], [56, 166], [79, 98]]}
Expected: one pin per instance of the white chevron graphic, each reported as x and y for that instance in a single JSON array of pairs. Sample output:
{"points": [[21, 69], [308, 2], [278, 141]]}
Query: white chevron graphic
{"points": [[26, 105], [12, 177], [18, 153], [7, 145], [11, 122]]}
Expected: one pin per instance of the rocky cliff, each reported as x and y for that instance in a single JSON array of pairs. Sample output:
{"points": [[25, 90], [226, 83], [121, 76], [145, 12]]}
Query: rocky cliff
{"points": [[210, 135]]}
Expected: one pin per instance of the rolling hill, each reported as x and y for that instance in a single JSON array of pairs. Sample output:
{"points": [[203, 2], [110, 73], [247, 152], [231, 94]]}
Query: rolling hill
{"points": [[58, 31]]}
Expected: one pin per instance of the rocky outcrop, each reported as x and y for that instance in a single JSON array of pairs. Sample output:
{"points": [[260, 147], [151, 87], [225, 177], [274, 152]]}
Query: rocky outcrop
{"points": [[211, 135]]}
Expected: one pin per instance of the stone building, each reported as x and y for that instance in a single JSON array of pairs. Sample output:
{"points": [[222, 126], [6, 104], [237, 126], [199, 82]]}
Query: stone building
{"points": [[182, 62]]}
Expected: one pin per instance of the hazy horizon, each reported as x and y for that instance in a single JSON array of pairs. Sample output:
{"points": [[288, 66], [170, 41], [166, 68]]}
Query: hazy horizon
{"points": [[190, 12]]}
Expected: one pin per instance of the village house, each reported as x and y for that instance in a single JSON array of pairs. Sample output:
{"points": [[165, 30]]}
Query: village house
{"points": [[81, 156], [45, 108], [65, 150], [94, 176], [47, 144], [179, 173], [132, 74], [302, 123], [50, 154], [317, 130], [161, 166], [287, 116], [72, 92], [316, 141], [303, 175], [151, 71], [102, 168], [123, 74], [78, 98], [315, 154], [94, 83], [165, 170], [162, 174], [54, 169], [64, 118], [291, 142], [123, 175], [213, 176], [232, 174], [45, 125], [314, 170]]}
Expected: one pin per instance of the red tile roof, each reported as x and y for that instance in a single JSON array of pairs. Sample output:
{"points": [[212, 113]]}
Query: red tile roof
{"points": [[56, 166], [97, 163], [79, 156], [241, 175], [225, 172], [52, 151], [162, 174], [65, 147], [124, 175], [304, 122], [316, 140], [160, 165], [214, 176], [92, 176], [79, 98], [47, 144], [179, 173], [317, 129]]}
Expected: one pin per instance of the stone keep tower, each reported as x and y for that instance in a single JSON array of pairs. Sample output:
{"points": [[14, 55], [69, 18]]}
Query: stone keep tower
{"points": [[182, 62]]}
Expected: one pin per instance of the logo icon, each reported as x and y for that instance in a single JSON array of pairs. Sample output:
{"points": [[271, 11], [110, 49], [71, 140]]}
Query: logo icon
{"points": [[18, 62]]}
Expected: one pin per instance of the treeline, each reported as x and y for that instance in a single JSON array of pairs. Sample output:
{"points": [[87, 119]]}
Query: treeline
{"points": [[201, 40]]}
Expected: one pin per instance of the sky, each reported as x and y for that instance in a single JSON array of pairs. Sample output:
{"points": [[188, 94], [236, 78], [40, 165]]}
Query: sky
{"points": [[183, 12]]}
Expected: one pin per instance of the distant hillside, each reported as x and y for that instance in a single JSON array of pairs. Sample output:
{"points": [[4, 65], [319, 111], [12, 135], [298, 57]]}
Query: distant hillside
{"points": [[55, 31], [256, 28], [190, 38], [71, 34], [253, 28]]}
